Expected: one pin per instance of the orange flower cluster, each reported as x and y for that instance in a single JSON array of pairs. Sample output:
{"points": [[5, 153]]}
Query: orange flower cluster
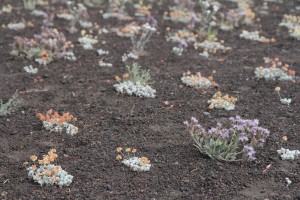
{"points": [[125, 76], [54, 118], [127, 150], [44, 55], [276, 63], [219, 99], [198, 77], [47, 159]]}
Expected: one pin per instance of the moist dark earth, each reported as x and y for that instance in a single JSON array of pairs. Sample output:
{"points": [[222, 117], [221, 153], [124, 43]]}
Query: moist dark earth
{"points": [[107, 119]]}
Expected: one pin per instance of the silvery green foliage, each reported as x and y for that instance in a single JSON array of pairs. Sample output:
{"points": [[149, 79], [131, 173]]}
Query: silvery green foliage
{"points": [[287, 154], [136, 88], [224, 104], [16, 26], [177, 51], [10, 105], [87, 42], [61, 178], [70, 128], [273, 74], [135, 164], [211, 45], [192, 82]]}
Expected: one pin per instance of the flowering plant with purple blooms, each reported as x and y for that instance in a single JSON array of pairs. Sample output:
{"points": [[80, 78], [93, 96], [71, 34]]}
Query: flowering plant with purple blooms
{"points": [[236, 143], [43, 48]]}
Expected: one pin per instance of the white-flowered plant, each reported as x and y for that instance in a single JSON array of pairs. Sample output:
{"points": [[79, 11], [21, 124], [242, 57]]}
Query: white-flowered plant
{"points": [[290, 21], [284, 101], [211, 46], [287, 154], [222, 102], [135, 82], [87, 41], [197, 80], [295, 33], [52, 121], [16, 26], [102, 52], [47, 173], [138, 44], [29, 69], [138, 164], [104, 64], [275, 70], [254, 35]]}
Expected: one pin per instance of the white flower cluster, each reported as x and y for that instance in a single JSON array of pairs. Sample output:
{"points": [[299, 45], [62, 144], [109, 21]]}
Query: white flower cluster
{"points": [[41, 175], [87, 41], [192, 82], [65, 16], [38, 13], [295, 33], [254, 35], [177, 51], [85, 24], [102, 52], [70, 128], [69, 55], [16, 26], [286, 101], [287, 154], [125, 56], [136, 164], [137, 88], [29, 69], [147, 27], [273, 74], [290, 21], [211, 45], [104, 64]]}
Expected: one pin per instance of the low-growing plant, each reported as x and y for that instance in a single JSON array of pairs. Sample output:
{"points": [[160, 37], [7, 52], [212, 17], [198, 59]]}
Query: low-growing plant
{"points": [[218, 101], [236, 143], [44, 48], [79, 16], [138, 44], [29, 4], [10, 105], [45, 173], [52, 121], [129, 158], [285, 101], [209, 9], [198, 81], [135, 81], [274, 69]]}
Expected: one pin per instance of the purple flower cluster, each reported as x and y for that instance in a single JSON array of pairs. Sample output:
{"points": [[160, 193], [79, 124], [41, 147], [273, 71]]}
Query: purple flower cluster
{"points": [[48, 46], [249, 130], [218, 142]]}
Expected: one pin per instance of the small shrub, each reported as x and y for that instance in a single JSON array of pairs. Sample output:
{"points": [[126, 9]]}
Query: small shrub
{"points": [[236, 143], [139, 164], [55, 122], [10, 105], [44, 48], [274, 70], [197, 80], [222, 102], [45, 173], [135, 82]]}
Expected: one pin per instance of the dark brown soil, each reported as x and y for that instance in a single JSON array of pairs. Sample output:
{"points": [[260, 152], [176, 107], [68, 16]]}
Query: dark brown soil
{"points": [[107, 120]]}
